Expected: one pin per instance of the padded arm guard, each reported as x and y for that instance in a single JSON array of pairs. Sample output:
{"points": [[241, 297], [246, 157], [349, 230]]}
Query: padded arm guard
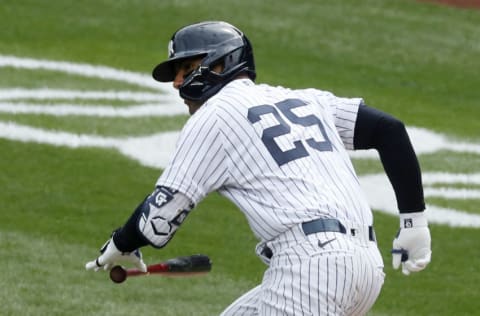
{"points": [[162, 213]]}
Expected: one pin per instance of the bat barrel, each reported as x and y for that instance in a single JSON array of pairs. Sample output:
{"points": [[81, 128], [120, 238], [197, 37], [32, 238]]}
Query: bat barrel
{"points": [[180, 266], [194, 263]]}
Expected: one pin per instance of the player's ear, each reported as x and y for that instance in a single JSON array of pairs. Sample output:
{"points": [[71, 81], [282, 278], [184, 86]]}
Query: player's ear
{"points": [[218, 67]]}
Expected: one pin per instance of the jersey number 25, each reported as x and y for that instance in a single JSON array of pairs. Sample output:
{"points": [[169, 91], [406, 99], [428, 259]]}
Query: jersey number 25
{"points": [[283, 128]]}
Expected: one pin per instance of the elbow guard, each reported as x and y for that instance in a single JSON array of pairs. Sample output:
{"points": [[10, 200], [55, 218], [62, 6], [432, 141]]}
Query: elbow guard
{"points": [[162, 213]]}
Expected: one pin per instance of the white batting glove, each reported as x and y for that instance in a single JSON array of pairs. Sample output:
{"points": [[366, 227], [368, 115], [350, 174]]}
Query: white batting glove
{"points": [[412, 245], [111, 256]]}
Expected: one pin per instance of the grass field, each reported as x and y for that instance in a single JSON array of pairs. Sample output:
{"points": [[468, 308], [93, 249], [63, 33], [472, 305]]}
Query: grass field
{"points": [[58, 204]]}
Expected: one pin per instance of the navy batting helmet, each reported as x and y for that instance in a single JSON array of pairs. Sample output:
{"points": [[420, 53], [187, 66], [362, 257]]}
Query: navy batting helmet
{"points": [[215, 41]]}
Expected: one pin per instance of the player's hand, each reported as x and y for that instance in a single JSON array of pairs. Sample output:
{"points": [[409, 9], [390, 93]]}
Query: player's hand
{"points": [[111, 256], [412, 245]]}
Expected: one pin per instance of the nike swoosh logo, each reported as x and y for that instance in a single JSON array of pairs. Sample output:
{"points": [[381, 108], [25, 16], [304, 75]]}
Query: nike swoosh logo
{"points": [[323, 244]]}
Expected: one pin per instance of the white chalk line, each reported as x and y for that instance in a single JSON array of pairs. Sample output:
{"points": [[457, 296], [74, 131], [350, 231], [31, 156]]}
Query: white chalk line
{"points": [[453, 194], [85, 70], [425, 142], [93, 110], [50, 94], [169, 99], [151, 151], [381, 197], [452, 178]]}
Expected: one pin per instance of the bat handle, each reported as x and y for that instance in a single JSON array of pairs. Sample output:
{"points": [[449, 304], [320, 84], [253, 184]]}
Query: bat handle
{"points": [[135, 272], [118, 274]]}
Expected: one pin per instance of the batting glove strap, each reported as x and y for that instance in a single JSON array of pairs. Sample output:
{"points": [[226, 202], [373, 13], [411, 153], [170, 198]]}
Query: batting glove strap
{"points": [[413, 220]]}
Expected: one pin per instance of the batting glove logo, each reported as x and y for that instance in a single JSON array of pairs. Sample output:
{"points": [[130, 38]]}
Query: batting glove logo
{"points": [[408, 223]]}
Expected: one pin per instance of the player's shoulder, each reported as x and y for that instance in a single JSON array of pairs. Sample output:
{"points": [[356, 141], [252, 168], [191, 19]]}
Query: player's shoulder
{"points": [[317, 94], [313, 95], [237, 94], [210, 113], [328, 99]]}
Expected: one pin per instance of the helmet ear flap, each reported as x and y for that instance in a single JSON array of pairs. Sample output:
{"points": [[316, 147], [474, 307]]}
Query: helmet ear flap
{"points": [[233, 59], [248, 57], [202, 84]]}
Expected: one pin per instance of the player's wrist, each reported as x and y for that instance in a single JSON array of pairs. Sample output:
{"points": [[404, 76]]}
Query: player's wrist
{"points": [[127, 240], [413, 220]]}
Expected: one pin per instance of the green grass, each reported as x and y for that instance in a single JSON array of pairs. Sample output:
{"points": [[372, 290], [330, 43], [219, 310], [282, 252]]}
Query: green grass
{"points": [[417, 60], [106, 126], [56, 226]]}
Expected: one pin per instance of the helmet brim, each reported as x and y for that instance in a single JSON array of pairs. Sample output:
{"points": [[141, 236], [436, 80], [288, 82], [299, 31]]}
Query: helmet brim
{"points": [[164, 72]]}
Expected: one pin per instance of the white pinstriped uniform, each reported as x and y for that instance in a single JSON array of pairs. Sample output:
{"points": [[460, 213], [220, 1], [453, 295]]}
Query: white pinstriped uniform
{"points": [[280, 156]]}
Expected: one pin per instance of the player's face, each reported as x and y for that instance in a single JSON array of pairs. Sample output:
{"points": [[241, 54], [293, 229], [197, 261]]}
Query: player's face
{"points": [[182, 70]]}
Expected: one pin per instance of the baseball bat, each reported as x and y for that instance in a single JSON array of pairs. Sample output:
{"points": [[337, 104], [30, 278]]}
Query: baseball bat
{"points": [[175, 267]]}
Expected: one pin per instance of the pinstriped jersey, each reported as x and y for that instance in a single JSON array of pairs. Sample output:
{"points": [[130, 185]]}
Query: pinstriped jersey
{"points": [[279, 154]]}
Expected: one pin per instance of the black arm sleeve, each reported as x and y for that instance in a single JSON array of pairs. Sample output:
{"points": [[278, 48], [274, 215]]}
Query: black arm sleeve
{"points": [[388, 135], [128, 238]]}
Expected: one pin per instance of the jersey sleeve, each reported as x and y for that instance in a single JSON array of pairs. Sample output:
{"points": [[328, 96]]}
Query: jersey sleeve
{"points": [[344, 112], [388, 135], [198, 165]]}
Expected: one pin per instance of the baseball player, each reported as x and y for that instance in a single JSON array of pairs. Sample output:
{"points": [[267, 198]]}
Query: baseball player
{"points": [[281, 156]]}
